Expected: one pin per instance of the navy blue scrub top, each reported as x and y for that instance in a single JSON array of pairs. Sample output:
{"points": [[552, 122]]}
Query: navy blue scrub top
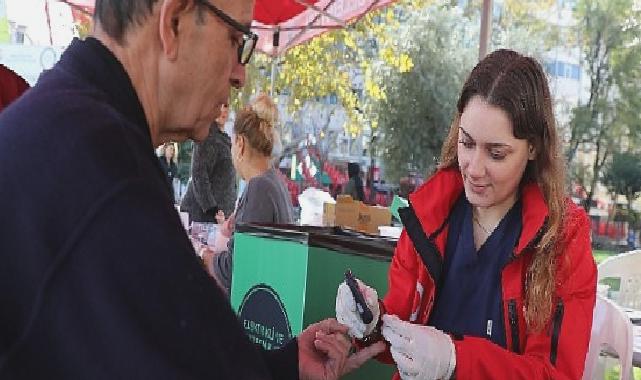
{"points": [[469, 301]]}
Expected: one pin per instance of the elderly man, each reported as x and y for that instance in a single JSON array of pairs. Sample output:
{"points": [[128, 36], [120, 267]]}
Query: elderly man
{"points": [[97, 279]]}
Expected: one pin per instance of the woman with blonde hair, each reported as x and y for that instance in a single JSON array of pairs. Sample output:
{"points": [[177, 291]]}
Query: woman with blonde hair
{"points": [[493, 276], [265, 198]]}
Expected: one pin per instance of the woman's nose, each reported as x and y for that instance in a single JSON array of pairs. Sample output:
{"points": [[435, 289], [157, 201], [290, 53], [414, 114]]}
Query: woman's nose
{"points": [[476, 165]]}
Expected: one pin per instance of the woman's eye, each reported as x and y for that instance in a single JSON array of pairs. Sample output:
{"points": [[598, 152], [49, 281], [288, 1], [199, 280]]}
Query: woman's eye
{"points": [[467, 144], [497, 155]]}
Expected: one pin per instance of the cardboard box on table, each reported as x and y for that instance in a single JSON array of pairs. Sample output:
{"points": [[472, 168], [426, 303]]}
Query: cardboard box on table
{"points": [[355, 215], [285, 278]]}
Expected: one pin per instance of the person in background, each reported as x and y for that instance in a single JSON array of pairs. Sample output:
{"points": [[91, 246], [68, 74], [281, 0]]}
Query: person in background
{"points": [[265, 198], [98, 276], [11, 86], [354, 187], [168, 164], [211, 191], [493, 276]]}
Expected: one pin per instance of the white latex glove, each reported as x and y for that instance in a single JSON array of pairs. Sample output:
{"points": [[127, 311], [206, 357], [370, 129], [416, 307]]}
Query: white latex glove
{"points": [[420, 352], [347, 314]]}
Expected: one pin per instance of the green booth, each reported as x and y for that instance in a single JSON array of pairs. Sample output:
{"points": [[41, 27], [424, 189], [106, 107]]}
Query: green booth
{"points": [[285, 278]]}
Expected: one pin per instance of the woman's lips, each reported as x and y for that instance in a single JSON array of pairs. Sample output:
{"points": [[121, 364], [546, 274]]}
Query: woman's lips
{"points": [[477, 188]]}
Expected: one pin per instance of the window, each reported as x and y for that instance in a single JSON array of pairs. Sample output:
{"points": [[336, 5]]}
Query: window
{"points": [[563, 70], [576, 72]]}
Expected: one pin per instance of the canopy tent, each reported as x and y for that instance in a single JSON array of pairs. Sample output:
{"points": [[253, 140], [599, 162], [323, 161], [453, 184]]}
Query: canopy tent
{"points": [[282, 24], [85, 6]]}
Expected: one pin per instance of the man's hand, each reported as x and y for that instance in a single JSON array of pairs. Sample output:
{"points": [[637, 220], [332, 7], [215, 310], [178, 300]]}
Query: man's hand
{"points": [[323, 352]]}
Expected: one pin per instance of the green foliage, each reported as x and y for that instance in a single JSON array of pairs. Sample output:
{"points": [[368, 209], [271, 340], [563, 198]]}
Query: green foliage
{"points": [[614, 373], [325, 65], [442, 44], [521, 27], [600, 255], [610, 31], [623, 175], [614, 283], [420, 104]]}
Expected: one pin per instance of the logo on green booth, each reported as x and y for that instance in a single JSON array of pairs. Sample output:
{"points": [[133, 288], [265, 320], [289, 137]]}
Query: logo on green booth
{"points": [[264, 317]]}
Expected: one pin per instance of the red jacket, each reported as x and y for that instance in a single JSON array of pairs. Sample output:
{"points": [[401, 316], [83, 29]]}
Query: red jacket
{"points": [[558, 352], [11, 86]]}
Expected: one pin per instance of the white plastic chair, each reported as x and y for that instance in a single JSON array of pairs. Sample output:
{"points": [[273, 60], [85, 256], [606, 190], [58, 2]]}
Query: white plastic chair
{"points": [[611, 333], [627, 267]]}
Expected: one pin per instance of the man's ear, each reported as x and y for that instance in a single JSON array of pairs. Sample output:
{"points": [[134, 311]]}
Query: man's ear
{"points": [[172, 14]]}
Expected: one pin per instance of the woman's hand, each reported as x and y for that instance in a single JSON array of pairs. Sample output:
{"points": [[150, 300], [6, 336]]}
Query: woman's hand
{"points": [[420, 352], [228, 226], [208, 256], [347, 313], [220, 217]]}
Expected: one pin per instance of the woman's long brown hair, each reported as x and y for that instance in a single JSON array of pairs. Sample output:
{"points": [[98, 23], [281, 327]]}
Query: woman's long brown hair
{"points": [[517, 85]]}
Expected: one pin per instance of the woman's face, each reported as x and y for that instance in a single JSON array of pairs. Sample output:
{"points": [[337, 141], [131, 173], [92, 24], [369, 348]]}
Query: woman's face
{"points": [[169, 151], [492, 161]]}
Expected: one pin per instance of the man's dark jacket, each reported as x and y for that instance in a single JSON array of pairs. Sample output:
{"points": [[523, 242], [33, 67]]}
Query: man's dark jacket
{"points": [[98, 280]]}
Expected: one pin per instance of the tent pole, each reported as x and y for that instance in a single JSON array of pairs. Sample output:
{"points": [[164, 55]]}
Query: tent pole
{"points": [[486, 28], [275, 44], [48, 22], [273, 77]]}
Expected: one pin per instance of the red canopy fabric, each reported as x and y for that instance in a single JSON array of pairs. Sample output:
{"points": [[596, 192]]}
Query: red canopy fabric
{"points": [[318, 16], [84, 5], [274, 12], [268, 12]]}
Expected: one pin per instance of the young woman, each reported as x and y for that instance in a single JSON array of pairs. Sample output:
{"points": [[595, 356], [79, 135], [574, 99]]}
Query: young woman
{"points": [[168, 164], [493, 276]]}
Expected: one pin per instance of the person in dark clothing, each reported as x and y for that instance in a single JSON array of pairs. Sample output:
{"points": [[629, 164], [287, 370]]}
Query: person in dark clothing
{"points": [[212, 187], [168, 165], [98, 278], [354, 186]]}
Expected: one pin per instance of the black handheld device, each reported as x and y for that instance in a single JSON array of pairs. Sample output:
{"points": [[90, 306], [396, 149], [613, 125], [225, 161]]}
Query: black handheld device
{"points": [[361, 305]]}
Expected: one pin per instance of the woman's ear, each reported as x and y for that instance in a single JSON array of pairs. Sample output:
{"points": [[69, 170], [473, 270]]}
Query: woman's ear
{"points": [[531, 155], [240, 142]]}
